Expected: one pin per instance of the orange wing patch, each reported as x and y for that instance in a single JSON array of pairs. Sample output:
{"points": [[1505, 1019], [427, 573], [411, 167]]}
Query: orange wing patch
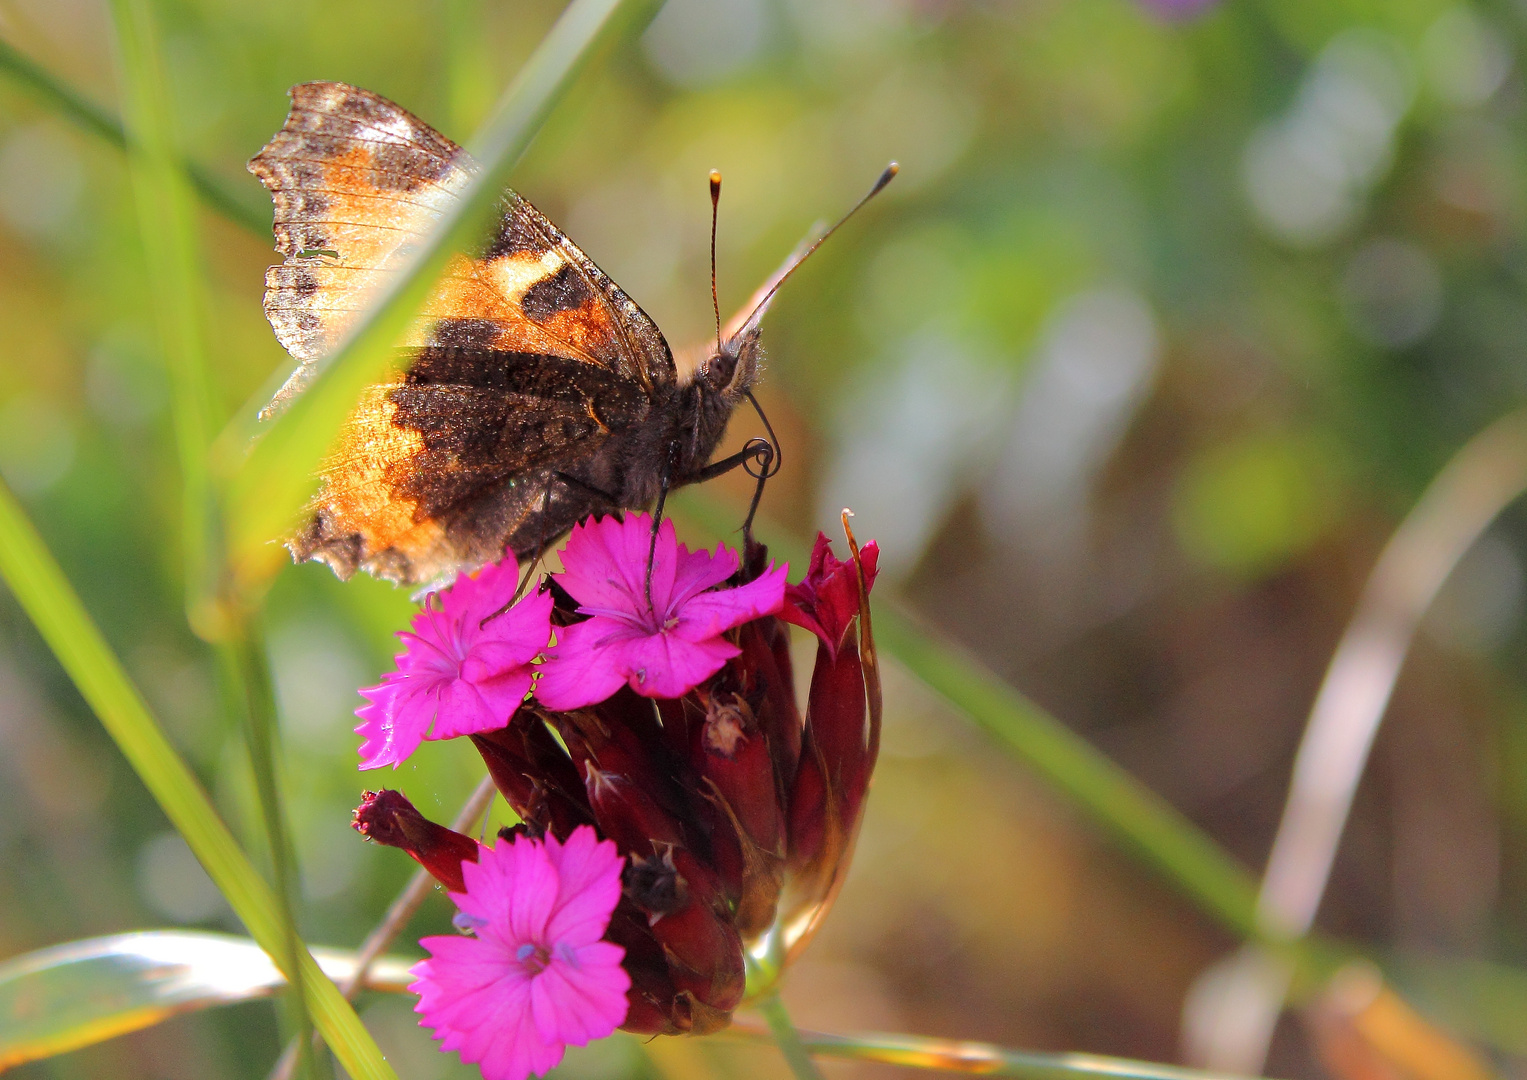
{"points": [[357, 487]]}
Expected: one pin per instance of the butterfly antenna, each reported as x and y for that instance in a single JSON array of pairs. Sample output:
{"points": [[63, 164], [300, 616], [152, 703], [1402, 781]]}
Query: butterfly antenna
{"points": [[715, 210], [885, 178]]}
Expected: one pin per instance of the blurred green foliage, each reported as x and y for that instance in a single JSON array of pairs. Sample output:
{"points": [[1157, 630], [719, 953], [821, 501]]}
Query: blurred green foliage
{"points": [[1131, 371]]}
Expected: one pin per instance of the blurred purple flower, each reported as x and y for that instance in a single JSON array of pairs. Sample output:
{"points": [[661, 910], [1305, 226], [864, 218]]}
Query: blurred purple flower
{"points": [[535, 976], [456, 675], [660, 649]]}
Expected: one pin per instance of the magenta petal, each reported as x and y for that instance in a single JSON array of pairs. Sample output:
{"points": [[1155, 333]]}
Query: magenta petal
{"points": [[588, 876], [472, 598], [526, 627], [384, 740], [666, 666], [489, 659], [578, 672], [581, 997], [533, 891], [698, 571], [600, 566], [506, 693], [487, 706], [713, 613]]}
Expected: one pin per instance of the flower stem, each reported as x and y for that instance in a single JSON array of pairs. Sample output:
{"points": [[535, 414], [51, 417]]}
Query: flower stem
{"points": [[787, 1038]]}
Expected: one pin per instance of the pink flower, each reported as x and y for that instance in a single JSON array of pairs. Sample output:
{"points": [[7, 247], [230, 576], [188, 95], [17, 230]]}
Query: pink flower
{"points": [[828, 599], [663, 649], [535, 977], [456, 676]]}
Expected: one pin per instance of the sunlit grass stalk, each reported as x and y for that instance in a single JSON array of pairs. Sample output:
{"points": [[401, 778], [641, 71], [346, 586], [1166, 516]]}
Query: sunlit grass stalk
{"points": [[267, 488], [53, 606], [167, 227]]}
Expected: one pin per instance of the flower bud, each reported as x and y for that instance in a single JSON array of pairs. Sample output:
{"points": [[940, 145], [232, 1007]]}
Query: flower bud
{"points": [[389, 818]]}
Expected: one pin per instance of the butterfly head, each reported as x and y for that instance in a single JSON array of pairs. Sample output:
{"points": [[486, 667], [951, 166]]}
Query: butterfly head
{"points": [[731, 370]]}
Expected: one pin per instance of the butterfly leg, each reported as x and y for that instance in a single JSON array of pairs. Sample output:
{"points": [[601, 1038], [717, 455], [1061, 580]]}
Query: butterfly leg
{"points": [[535, 559], [572, 483], [657, 514]]}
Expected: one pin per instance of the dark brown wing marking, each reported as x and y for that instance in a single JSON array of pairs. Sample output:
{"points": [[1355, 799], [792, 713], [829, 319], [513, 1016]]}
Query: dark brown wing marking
{"points": [[425, 465]]}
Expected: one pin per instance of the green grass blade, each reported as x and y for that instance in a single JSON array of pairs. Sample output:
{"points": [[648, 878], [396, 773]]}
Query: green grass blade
{"points": [[70, 996], [167, 226], [85, 114], [1131, 811], [248, 674], [266, 492], [51, 603]]}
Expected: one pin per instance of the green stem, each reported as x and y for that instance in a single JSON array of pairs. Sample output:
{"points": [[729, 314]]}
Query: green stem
{"points": [[249, 673], [52, 604], [787, 1038], [1145, 821], [84, 113]]}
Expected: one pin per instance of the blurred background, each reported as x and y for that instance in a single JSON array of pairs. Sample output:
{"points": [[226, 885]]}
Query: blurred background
{"points": [[1173, 312]]}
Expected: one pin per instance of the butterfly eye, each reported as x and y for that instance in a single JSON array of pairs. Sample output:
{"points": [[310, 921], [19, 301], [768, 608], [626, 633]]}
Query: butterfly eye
{"points": [[718, 373]]}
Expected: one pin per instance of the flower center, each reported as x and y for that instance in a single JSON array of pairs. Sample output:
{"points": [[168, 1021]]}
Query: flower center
{"points": [[533, 958]]}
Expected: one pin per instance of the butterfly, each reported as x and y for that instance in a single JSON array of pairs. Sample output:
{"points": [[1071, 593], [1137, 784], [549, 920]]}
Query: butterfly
{"points": [[536, 391]]}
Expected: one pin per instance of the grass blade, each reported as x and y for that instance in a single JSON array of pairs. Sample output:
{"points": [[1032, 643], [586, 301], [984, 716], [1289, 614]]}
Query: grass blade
{"points": [[70, 996], [266, 491], [1130, 810], [51, 603]]}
